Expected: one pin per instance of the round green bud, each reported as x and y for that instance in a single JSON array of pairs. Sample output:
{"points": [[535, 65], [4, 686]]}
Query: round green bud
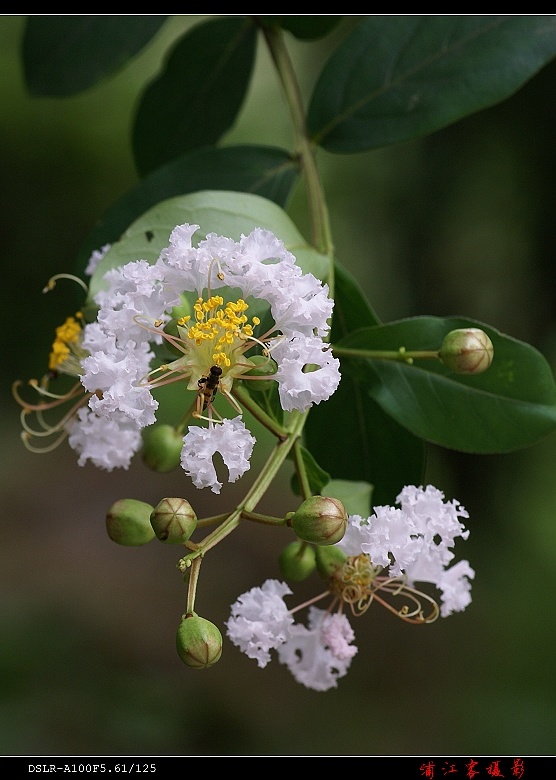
{"points": [[297, 561], [320, 520], [467, 351], [128, 522], [328, 560], [173, 520], [198, 642], [162, 446], [263, 366]]}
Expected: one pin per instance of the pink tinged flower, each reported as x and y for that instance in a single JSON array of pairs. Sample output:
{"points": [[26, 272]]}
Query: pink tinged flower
{"points": [[299, 388], [309, 657], [107, 442], [230, 438], [337, 635], [260, 621]]}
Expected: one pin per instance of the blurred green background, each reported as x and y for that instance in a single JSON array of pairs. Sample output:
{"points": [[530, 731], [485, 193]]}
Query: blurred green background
{"points": [[460, 223]]}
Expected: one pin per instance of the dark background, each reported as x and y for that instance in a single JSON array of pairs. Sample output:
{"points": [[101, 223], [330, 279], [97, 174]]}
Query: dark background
{"points": [[460, 223]]}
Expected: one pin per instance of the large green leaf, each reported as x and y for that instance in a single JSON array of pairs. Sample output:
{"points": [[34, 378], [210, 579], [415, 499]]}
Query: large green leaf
{"points": [[63, 55], [265, 171], [400, 77], [225, 213], [352, 437], [509, 406], [198, 95]]}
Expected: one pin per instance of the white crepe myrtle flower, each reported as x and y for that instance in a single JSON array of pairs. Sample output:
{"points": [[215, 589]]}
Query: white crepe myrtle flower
{"points": [[415, 542], [260, 620], [231, 439], [220, 279], [319, 654], [107, 443]]}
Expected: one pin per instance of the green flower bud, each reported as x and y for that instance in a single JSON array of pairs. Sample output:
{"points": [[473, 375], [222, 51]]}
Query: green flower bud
{"points": [[297, 561], [320, 520], [173, 520], [128, 522], [162, 446], [263, 366], [329, 560], [467, 351], [198, 642]]}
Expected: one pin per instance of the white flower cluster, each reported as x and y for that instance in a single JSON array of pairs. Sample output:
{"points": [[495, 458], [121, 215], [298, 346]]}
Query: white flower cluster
{"points": [[138, 298], [412, 542], [316, 655]]}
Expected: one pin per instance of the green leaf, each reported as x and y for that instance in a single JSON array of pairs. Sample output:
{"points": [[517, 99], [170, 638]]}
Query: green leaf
{"points": [[400, 77], [355, 496], [317, 476], [199, 94], [508, 407], [225, 213], [305, 27], [63, 55], [262, 170]]}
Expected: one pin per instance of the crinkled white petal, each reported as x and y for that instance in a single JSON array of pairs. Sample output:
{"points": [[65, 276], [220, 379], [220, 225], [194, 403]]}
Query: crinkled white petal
{"points": [[299, 389], [260, 620], [309, 658], [116, 372], [231, 439], [134, 299], [107, 443], [456, 588]]}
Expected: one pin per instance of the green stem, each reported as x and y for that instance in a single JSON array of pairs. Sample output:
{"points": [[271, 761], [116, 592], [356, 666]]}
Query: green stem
{"points": [[321, 234], [192, 585], [257, 517], [401, 354], [301, 470], [242, 395]]}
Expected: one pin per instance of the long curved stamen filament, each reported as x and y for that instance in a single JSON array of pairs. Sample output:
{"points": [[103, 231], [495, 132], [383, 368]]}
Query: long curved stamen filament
{"points": [[397, 587], [58, 399], [42, 450], [51, 284]]}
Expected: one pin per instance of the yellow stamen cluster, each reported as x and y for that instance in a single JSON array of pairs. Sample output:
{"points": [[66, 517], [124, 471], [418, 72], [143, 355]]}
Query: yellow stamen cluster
{"points": [[66, 343], [352, 582], [221, 326]]}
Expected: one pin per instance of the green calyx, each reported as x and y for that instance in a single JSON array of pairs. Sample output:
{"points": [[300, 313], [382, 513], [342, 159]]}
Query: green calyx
{"points": [[198, 642], [297, 561], [162, 446], [329, 560], [320, 520], [128, 522], [173, 520], [467, 351]]}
